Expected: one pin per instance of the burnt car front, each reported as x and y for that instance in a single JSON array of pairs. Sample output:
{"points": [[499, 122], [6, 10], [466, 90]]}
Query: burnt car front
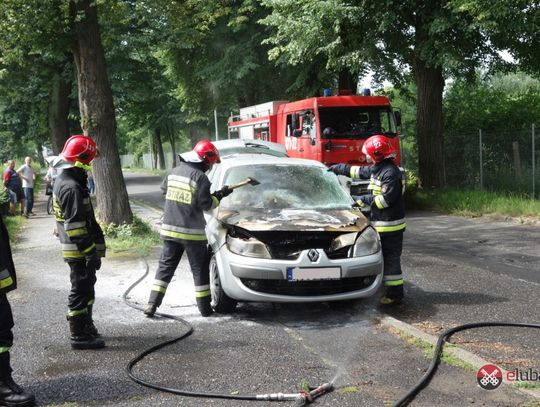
{"points": [[294, 237]]}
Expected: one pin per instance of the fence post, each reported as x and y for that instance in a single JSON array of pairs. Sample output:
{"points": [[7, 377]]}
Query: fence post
{"points": [[481, 160], [533, 164]]}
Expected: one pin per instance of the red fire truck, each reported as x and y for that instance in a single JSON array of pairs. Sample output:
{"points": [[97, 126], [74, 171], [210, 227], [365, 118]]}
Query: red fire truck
{"points": [[329, 129]]}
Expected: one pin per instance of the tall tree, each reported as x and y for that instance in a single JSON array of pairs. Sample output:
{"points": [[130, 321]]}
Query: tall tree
{"points": [[97, 112], [429, 41]]}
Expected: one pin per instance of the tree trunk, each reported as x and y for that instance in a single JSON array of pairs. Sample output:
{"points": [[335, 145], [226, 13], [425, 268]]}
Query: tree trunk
{"points": [[59, 103], [97, 113], [193, 135], [346, 82], [172, 140], [159, 149], [429, 123]]}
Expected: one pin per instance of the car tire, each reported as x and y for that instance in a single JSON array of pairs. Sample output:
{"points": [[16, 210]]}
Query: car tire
{"points": [[221, 302]]}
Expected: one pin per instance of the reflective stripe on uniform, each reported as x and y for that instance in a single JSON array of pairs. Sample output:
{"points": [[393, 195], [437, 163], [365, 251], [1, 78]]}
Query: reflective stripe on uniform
{"points": [[201, 294], [70, 250], [355, 171], [393, 283], [4, 349], [160, 286], [183, 233], [380, 202], [202, 287], [389, 226], [76, 232], [75, 312], [182, 236], [5, 279], [215, 202]]}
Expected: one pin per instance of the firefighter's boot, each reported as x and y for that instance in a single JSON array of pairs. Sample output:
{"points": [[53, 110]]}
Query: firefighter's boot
{"points": [[90, 327], [80, 338], [150, 309], [204, 306], [11, 394], [393, 296]]}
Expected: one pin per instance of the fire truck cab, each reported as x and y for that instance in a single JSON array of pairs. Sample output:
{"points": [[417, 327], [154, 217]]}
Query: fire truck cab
{"points": [[329, 129]]}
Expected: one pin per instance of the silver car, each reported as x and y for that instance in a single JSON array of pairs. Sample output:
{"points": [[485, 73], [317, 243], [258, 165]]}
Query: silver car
{"points": [[294, 237]]}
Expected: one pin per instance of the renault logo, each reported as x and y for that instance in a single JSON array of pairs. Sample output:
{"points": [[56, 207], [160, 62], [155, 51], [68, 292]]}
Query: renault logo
{"points": [[313, 255]]}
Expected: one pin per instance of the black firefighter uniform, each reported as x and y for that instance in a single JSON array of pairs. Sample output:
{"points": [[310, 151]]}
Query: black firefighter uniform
{"points": [[80, 235], [187, 195], [386, 186]]}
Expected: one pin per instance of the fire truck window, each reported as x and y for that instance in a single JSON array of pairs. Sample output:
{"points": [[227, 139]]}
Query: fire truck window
{"points": [[355, 122], [308, 124]]}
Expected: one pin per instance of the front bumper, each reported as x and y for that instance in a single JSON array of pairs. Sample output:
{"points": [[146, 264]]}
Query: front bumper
{"points": [[265, 280]]}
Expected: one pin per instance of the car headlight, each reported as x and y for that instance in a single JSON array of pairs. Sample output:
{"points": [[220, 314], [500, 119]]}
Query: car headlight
{"points": [[367, 243], [250, 248]]}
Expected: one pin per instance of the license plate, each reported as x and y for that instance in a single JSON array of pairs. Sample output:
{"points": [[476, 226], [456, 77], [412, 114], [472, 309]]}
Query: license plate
{"points": [[313, 273]]}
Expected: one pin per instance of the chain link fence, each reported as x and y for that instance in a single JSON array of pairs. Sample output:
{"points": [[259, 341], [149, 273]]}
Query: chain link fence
{"points": [[498, 160]]}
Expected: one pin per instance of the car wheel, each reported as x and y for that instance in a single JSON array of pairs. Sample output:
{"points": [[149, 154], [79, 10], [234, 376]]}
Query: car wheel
{"points": [[221, 302]]}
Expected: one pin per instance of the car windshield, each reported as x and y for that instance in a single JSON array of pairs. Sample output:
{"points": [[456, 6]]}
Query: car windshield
{"points": [[285, 186]]}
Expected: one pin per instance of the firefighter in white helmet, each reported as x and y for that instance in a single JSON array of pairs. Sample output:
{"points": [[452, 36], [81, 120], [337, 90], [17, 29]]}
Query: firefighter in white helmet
{"points": [[187, 195], [387, 215]]}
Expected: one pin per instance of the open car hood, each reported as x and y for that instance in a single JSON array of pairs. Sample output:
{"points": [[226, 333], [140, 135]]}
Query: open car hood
{"points": [[342, 220]]}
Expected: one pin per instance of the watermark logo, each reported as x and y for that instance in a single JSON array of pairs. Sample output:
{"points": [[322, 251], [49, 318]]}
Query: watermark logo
{"points": [[489, 377]]}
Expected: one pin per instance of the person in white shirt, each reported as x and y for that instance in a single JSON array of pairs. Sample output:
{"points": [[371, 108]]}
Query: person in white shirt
{"points": [[26, 172]]}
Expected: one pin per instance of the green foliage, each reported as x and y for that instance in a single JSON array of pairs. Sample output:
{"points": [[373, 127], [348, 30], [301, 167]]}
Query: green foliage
{"points": [[503, 107], [137, 236]]}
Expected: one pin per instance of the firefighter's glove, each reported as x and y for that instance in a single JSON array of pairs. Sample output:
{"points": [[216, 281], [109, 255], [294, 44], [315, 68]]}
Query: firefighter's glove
{"points": [[93, 261], [341, 169], [223, 192]]}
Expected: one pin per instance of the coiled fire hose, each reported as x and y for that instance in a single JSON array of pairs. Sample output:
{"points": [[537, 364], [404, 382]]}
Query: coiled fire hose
{"points": [[303, 397]]}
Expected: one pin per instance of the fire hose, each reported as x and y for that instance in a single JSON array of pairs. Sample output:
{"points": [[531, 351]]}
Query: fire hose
{"points": [[302, 397]]}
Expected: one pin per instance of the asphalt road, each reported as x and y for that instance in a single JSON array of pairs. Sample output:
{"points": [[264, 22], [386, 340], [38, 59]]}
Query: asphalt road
{"points": [[266, 348]]}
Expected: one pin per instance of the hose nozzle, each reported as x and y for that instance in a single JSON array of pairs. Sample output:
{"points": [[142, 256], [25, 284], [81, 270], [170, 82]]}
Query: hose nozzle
{"points": [[308, 397]]}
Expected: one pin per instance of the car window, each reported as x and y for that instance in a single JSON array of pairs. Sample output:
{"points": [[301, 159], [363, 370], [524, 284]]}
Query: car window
{"points": [[285, 187]]}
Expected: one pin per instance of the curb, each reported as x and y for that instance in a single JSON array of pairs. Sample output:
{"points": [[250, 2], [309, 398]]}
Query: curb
{"points": [[465, 356]]}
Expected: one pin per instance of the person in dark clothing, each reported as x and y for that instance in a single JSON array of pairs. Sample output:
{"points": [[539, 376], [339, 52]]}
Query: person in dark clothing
{"points": [[387, 214], [83, 244], [187, 195], [13, 183], [11, 394]]}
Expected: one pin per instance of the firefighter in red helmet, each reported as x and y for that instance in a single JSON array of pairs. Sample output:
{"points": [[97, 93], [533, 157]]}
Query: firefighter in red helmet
{"points": [[83, 244], [387, 215], [187, 195]]}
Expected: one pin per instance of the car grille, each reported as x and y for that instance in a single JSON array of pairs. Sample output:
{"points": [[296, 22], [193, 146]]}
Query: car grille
{"points": [[308, 288]]}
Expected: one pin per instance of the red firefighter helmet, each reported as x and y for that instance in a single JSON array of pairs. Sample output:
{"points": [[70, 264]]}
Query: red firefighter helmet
{"points": [[378, 147], [207, 152], [79, 148], [204, 151]]}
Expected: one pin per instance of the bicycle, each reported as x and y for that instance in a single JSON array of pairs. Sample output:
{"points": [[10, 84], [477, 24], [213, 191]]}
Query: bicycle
{"points": [[50, 205]]}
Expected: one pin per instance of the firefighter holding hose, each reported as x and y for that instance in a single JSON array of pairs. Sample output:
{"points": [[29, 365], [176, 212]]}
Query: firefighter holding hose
{"points": [[387, 215]]}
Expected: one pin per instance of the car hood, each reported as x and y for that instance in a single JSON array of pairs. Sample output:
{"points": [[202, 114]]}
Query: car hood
{"points": [[342, 220]]}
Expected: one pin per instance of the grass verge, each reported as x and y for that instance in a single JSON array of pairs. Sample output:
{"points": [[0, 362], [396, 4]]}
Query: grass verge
{"points": [[137, 237], [476, 203], [14, 226]]}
